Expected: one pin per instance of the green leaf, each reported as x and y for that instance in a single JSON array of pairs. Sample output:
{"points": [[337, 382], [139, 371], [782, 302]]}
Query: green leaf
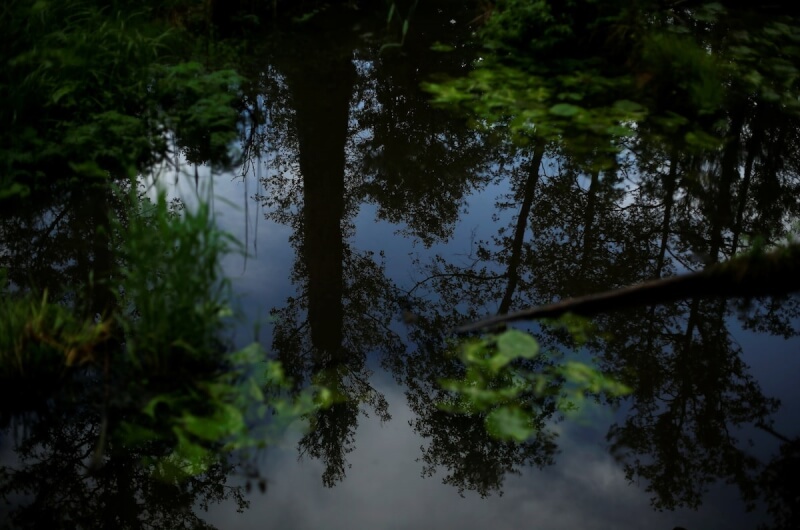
{"points": [[273, 374], [254, 391], [324, 398], [620, 131], [390, 45], [225, 312], [188, 459], [440, 47], [150, 408], [305, 17], [515, 343], [61, 92], [249, 355], [509, 423], [744, 51], [474, 351], [226, 421], [511, 345], [14, 189], [565, 109], [628, 107]]}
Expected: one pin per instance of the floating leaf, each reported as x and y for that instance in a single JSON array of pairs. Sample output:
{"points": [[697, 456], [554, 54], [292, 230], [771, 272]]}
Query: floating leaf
{"points": [[150, 408], [188, 459], [565, 109], [474, 351], [515, 343], [620, 131], [226, 421], [509, 423]]}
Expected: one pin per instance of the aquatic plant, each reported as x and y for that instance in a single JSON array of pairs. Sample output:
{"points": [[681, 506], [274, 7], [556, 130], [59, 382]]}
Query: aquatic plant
{"points": [[507, 380]]}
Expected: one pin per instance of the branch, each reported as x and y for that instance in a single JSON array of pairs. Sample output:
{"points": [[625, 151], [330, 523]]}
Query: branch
{"points": [[755, 274]]}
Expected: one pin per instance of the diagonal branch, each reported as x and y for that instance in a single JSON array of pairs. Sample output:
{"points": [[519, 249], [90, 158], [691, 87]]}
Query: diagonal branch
{"points": [[773, 273]]}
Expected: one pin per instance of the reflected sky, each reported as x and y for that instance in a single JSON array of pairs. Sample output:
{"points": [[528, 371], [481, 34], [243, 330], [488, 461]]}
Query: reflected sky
{"points": [[384, 489], [385, 486]]}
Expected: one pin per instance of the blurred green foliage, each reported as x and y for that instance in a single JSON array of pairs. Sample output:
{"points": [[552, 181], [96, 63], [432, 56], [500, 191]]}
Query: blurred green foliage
{"points": [[176, 384], [172, 307], [174, 310], [507, 378], [98, 93], [588, 73], [38, 339], [92, 90]]}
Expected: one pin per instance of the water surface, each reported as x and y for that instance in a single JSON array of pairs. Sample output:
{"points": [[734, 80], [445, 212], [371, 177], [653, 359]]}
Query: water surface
{"points": [[375, 223]]}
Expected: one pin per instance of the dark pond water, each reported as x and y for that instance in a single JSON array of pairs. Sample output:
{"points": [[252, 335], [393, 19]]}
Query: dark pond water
{"points": [[374, 224]]}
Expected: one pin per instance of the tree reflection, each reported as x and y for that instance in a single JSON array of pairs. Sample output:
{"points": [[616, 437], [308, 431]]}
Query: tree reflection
{"points": [[779, 481], [338, 289], [692, 394], [69, 459], [458, 445], [56, 482], [347, 127], [52, 244], [655, 210], [570, 224], [333, 153]]}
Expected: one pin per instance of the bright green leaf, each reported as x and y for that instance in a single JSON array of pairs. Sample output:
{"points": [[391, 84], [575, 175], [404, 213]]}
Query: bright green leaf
{"points": [[515, 343]]}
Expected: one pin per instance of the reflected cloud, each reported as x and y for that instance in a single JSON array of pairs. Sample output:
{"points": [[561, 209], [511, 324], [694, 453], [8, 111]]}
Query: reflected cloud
{"points": [[384, 489]]}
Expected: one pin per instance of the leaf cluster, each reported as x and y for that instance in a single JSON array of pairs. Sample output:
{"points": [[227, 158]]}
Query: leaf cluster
{"points": [[498, 384], [587, 73], [92, 90], [39, 339], [247, 407], [181, 395]]}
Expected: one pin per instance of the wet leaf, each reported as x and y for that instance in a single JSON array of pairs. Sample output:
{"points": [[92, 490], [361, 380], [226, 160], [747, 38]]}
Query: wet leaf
{"points": [[565, 109], [509, 423], [226, 421], [515, 343]]}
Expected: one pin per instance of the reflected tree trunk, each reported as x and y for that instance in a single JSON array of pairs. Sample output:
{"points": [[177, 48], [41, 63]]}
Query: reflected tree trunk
{"points": [[753, 146], [720, 209], [321, 93], [322, 100], [669, 201], [588, 222], [519, 231]]}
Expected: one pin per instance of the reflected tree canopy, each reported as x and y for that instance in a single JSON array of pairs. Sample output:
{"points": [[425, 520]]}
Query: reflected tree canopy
{"points": [[572, 222], [670, 153]]}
